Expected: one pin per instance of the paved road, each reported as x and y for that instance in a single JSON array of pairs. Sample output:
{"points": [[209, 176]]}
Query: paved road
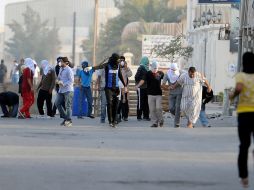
{"points": [[38, 154]]}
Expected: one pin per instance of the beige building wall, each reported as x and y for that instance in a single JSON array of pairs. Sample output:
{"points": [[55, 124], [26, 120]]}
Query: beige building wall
{"points": [[177, 3]]}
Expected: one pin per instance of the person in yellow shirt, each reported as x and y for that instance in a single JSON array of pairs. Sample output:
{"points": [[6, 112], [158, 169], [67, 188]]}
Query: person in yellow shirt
{"points": [[245, 90]]}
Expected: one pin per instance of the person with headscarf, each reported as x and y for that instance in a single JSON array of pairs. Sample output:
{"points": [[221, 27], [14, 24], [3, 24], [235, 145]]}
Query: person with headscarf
{"points": [[154, 92], [191, 101], [175, 95], [141, 88], [27, 89], [123, 111], [45, 88], [85, 78], [244, 88]]}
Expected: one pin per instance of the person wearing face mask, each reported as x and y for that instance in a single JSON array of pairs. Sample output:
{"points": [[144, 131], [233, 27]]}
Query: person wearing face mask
{"points": [[45, 88], [85, 78], [154, 92], [174, 95], [57, 69], [141, 88], [124, 104]]}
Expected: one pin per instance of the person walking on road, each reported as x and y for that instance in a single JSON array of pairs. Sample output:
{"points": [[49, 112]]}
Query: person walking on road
{"points": [[141, 88], [192, 94], [206, 97], [45, 88], [27, 89], [175, 95], [154, 92], [244, 88], [65, 80]]}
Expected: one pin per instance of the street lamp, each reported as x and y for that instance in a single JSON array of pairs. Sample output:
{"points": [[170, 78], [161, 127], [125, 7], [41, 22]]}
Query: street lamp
{"points": [[214, 17], [203, 18], [195, 23], [208, 16], [219, 16]]}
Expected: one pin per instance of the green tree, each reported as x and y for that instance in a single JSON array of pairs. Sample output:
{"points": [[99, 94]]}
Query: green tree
{"points": [[143, 11], [173, 50], [33, 39]]}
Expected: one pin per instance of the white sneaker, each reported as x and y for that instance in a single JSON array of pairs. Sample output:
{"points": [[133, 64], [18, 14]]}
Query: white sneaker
{"points": [[68, 123]]}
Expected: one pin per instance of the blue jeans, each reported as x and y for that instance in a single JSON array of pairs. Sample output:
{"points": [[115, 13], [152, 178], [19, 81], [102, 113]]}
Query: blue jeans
{"points": [[86, 92], [15, 78], [203, 119], [12, 112], [66, 99], [103, 104]]}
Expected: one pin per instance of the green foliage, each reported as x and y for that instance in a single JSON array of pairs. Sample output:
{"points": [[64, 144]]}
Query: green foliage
{"points": [[144, 11], [173, 50], [33, 39]]}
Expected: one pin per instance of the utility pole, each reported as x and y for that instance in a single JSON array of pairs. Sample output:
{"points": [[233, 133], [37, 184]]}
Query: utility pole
{"points": [[241, 33], [95, 31], [74, 38]]}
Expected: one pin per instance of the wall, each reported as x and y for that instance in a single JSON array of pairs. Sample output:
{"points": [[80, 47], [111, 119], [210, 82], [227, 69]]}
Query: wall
{"points": [[213, 58]]}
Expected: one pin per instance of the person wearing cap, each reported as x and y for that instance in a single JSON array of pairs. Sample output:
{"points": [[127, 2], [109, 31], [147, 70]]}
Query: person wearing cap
{"points": [[65, 80], [154, 92], [45, 88], [175, 95], [27, 89], [9, 102], [85, 78]]}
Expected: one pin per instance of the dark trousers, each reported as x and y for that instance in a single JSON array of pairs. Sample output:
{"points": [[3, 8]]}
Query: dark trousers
{"points": [[142, 105], [112, 101], [12, 111], [42, 96], [123, 109], [245, 131]]}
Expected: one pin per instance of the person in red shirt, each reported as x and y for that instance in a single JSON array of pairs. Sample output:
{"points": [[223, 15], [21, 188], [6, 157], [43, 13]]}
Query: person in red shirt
{"points": [[27, 89]]}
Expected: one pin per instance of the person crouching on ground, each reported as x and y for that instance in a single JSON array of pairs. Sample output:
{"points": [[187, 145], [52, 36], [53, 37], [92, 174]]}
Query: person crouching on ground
{"points": [[154, 92], [9, 102]]}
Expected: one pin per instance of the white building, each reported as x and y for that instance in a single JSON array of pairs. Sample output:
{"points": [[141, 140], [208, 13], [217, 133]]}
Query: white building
{"points": [[1, 43], [59, 13], [211, 44]]}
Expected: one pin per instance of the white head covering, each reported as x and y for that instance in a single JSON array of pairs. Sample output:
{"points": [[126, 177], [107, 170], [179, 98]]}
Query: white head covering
{"points": [[154, 66], [29, 63], [173, 73], [46, 67]]}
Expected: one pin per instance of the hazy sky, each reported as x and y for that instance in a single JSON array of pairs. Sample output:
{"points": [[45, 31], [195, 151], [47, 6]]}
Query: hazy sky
{"points": [[2, 4]]}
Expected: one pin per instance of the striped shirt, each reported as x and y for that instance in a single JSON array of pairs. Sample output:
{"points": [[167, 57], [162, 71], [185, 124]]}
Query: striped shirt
{"points": [[191, 96]]}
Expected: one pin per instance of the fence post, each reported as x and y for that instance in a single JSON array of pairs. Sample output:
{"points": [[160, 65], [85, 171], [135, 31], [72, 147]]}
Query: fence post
{"points": [[226, 103]]}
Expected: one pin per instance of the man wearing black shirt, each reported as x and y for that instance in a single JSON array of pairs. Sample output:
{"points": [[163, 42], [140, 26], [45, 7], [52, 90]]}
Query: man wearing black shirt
{"points": [[9, 102]]}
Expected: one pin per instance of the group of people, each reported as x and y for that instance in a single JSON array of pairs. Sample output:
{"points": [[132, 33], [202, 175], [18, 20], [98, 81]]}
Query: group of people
{"points": [[185, 90], [188, 93]]}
